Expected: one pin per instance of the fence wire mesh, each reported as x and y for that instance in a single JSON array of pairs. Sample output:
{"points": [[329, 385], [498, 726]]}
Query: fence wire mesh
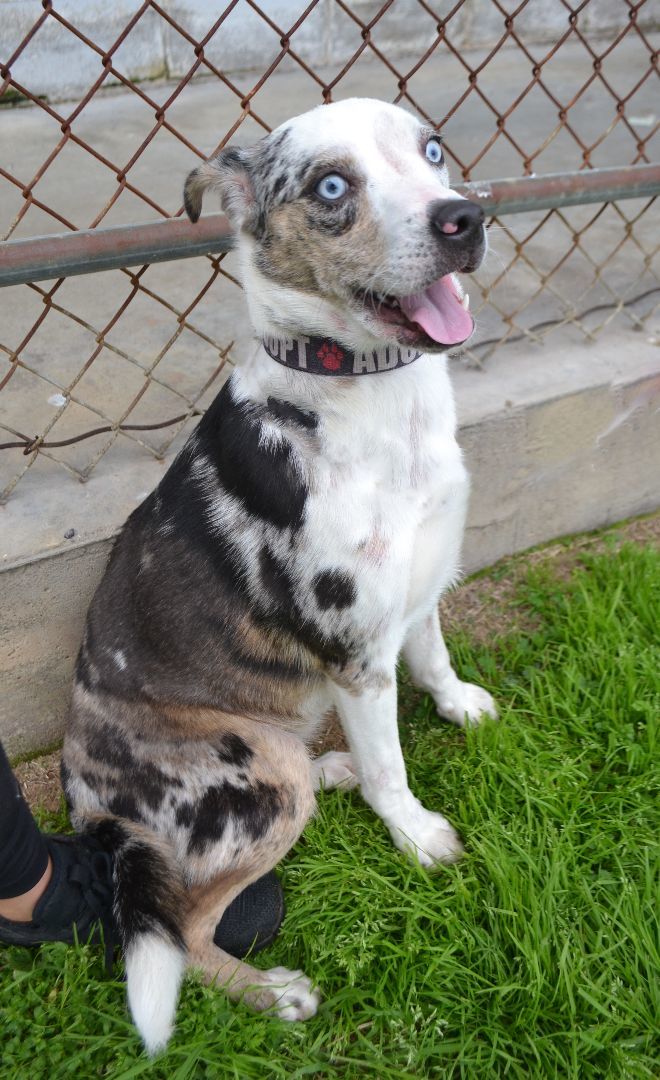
{"points": [[123, 361]]}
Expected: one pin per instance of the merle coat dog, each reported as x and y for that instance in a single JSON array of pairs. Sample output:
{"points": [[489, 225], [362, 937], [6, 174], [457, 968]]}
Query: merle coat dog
{"points": [[296, 547]]}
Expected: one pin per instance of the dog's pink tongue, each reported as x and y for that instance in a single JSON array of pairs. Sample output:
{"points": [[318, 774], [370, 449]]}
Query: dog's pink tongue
{"points": [[438, 311]]}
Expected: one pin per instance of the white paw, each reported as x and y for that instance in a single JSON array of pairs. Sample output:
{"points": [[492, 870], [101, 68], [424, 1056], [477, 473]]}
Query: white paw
{"points": [[294, 995], [332, 770], [466, 705], [428, 837]]}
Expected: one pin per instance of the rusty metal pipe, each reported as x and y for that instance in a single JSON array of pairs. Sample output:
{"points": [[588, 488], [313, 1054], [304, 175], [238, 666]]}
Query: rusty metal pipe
{"points": [[43, 258], [553, 191], [85, 252]]}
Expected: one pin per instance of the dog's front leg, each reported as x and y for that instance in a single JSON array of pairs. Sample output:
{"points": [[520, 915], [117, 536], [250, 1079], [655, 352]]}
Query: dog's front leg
{"points": [[430, 668], [370, 723]]}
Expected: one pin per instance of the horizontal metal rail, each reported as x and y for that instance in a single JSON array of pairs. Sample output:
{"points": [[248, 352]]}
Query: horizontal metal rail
{"points": [[87, 251], [553, 191]]}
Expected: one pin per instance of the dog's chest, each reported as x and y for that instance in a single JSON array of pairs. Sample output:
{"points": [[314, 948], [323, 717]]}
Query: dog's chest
{"points": [[387, 500]]}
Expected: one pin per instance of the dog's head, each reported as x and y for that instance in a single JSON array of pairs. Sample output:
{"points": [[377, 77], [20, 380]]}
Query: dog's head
{"points": [[348, 228]]}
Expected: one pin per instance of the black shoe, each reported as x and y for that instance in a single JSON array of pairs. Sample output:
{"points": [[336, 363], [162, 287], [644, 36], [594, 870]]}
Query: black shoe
{"points": [[252, 921], [79, 894]]}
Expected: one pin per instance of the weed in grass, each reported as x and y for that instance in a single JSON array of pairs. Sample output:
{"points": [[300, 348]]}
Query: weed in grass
{"points": [[536, 957]]}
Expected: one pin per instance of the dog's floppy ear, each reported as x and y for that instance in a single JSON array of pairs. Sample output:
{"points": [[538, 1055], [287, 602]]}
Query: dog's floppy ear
{"points": [[228, 173]]}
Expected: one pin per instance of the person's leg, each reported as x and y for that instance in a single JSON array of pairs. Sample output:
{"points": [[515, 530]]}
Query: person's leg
{"points": [[52, 888], [25, 865], [51, 884]]}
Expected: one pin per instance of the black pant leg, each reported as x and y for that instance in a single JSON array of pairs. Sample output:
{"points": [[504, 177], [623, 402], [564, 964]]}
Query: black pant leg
{"points": [[23, 851]]}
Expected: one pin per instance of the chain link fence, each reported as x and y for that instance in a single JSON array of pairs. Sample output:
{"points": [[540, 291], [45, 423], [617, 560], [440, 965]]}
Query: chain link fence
{"points": [[122, 362]]}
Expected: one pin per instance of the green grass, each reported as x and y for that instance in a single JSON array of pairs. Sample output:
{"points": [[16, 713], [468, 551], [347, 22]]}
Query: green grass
{"points": [[537, 956]]}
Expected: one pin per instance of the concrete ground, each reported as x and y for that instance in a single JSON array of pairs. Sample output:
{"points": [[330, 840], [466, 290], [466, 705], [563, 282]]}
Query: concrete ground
{"points": [[559, 436]]}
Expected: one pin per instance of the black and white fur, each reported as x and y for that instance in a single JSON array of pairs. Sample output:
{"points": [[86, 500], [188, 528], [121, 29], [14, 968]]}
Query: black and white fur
{"points": [[296, 547]]}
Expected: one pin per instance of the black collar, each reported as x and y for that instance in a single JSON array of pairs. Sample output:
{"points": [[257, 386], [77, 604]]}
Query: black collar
{"points": [[322, 356]]}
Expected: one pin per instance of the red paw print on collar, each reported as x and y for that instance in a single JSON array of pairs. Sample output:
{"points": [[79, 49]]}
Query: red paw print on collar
{"points": [[330, 356]]}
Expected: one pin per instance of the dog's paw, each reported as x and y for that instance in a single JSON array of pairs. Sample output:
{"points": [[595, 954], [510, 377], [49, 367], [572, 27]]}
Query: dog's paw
{"points": [[466, 705], [333, 770], [428, 838], [294, 995]]}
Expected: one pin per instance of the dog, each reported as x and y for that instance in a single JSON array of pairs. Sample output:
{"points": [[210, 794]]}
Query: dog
{"points": [[295, 548]]}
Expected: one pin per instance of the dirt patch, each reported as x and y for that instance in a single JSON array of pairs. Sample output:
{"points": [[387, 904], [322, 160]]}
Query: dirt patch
{"points": [[40, 781], [485, 608], [643, 531]]}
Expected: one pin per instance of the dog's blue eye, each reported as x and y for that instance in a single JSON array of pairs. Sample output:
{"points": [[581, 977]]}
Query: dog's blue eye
{"points": [[331, 187], [434, 152]]}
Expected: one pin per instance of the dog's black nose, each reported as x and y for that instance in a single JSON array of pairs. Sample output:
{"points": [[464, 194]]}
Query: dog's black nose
{"points": [[456, 219]]}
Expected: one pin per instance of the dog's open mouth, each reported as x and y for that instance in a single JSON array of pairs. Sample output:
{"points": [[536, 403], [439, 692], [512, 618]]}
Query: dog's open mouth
{"points": [[437, 314]]}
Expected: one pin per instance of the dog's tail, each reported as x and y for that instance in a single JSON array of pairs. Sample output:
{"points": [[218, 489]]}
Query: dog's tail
{"points": [[148, 908]]}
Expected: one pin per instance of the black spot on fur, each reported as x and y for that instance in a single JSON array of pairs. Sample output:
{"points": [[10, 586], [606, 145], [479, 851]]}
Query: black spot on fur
{"points": [[185, 814], [109, 746], [91, 779], [140, 780], [275, 577], [303, 171], [263, 161], [150, 784], [287, 616], [148, 893], [254, 809], [233, 157], [330, 649], [270, 181], [278, 184], [291, 414], [334, 588], [234, 750], [124, 804], [263, 476]]}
